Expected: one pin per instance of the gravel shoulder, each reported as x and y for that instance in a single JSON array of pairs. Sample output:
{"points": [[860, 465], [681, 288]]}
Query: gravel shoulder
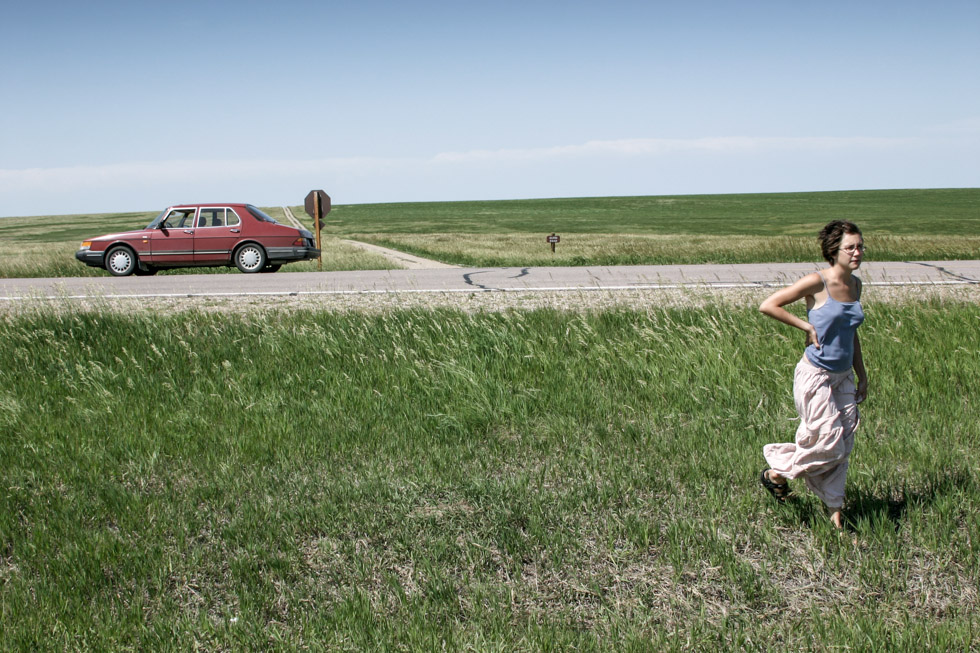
{"points": [[476, 301]]}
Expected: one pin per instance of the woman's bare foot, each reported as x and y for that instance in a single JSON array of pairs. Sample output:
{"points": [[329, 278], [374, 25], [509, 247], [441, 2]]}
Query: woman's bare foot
{"points": [[835, 518]]}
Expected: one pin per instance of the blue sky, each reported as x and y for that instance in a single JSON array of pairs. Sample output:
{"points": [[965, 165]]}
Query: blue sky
{"points": [[119, 106]]}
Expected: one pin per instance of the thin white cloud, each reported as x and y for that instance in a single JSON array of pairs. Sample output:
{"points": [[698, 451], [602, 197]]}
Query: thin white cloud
{"points": [[178, 172], [599, 167], [662, 146], [168, 172], [965, 127]]}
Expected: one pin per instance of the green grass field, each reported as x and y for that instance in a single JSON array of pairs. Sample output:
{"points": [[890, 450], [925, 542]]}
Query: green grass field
{"points": [[435, 480], [898, 225], [895, 212], [940, 224]]}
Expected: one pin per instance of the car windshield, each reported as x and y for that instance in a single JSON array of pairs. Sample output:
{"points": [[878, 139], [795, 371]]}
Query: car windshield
{"points": [[156, 220], [259, 215]]}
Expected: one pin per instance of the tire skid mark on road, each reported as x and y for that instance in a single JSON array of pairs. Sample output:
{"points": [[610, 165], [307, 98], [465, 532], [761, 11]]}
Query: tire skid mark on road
{"points": [[946, 272], [468, 280]]}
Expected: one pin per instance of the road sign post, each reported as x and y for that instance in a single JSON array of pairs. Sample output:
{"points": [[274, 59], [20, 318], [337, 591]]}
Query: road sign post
{"points": [[317, 205]]}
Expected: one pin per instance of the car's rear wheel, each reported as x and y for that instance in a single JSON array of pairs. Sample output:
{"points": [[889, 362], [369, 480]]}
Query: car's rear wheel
{"points": [[120, 261], [250, 258], [272, 267]]}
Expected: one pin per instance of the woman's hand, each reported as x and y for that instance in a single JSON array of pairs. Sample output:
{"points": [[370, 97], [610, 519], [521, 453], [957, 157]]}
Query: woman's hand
{"points": [[811, 336], [862, 391]]}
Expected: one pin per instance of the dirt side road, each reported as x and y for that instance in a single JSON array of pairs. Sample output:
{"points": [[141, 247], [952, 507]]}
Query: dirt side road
{"points": [[407, 261]]}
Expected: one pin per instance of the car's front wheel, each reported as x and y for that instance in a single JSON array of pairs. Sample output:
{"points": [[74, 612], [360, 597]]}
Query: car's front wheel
{"points": [[250, 258], [120, 261]]}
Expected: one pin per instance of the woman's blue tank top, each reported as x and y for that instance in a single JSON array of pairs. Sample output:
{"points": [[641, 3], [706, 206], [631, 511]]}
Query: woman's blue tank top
{"points": [[836, 324]]}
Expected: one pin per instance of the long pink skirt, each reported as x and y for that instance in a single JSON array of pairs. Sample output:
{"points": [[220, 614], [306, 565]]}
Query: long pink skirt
{"points": [[828, 419]]}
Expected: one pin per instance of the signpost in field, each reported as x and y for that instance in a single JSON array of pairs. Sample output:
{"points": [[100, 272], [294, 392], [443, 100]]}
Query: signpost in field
{"points": [[317, 205], [553, 239]]}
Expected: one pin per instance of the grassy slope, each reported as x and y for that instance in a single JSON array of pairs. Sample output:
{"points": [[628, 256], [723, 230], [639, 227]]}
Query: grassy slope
{"points": [[894, 212], [528, 480]]}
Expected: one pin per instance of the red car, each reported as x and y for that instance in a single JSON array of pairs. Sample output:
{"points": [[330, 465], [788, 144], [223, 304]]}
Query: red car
{"points": [[189, 235]]}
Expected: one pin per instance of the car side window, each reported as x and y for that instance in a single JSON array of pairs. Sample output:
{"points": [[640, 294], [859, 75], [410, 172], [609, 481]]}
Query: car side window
{"points": [[179, 219], [217, 217], [211, 218]]}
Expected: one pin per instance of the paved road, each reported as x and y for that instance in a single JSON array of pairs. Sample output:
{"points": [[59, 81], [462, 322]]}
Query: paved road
{"points": [[477, 280]]}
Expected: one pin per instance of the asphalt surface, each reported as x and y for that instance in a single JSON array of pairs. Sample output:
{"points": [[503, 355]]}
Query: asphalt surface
{"points": [[480, 280]]}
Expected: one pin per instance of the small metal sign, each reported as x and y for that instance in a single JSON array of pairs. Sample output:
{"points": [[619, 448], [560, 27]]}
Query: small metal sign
{"points": [[553, 239], [317, 205]]}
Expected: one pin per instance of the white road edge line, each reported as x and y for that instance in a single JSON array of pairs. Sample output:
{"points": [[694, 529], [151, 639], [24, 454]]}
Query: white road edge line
{"points": [[297, 293]]}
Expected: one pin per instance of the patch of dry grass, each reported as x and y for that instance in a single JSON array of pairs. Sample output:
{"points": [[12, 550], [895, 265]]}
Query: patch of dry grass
{"points": [[531, 250]]}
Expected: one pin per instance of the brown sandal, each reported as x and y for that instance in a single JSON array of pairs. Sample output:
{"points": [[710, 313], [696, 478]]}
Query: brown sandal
{"points": [[779, 491]]}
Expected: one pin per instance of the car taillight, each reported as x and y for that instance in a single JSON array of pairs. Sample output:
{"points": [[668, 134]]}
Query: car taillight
{"points": [[299, 242]]}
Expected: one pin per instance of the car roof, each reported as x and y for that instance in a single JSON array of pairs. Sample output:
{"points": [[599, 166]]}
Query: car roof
{"points": [[194, 205]]}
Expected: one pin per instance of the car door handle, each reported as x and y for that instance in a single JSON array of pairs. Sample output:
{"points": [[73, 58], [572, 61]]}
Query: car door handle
{"points": [[236, 231], [188, 231]]}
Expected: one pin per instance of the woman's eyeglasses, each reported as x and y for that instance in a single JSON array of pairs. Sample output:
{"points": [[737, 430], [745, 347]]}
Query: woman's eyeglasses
{"points": [[850, 249]]}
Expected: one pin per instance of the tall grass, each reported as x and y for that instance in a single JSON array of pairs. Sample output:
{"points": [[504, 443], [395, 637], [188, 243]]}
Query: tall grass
{"points": [[532, 480]]}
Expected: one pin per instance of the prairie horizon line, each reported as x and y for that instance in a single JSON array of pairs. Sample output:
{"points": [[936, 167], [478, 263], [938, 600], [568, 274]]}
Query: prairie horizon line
{"points": [[298, 202]]}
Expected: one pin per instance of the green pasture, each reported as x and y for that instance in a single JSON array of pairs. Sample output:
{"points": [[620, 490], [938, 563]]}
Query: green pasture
{"points": [[947, 212], [941, 224], [436, 480], [937, 224]]}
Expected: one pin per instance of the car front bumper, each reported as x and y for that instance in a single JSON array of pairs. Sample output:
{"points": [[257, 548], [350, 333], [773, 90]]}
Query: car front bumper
{"points": [[88, 257]]}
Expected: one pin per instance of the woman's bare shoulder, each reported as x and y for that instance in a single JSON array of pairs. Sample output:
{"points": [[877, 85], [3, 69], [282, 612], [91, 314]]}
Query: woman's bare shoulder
{"points": [[804, 287], [810, 284]]}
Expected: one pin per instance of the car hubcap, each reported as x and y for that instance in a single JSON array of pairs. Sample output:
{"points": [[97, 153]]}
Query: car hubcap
{"points": [[120, 262], [249, 258]]}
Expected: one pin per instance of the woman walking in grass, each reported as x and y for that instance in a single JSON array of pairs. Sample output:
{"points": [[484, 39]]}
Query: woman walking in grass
{"points": [[823, 387]]}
